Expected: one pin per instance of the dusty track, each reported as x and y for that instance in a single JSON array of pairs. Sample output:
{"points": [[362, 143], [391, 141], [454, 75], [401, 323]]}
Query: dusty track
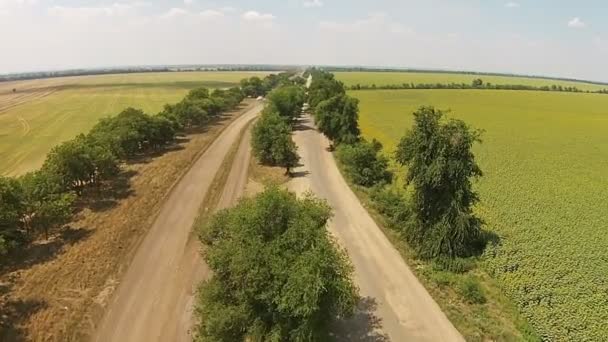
{"points": [[154, 300], [406, 310]]}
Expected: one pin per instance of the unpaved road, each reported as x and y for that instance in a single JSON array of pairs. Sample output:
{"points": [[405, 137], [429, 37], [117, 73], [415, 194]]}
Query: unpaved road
{"points": [[406, 310], [154, 299]]}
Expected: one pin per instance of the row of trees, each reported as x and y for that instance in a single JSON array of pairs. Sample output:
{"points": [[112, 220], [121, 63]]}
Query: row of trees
{"points": [[278, 275], [337, 117], [44, 199], [271, 137], [255, 86], [436, 213], [475, 84]]}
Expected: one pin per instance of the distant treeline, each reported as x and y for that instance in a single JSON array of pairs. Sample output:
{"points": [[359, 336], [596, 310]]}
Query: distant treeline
{"points": [[90, 164], [130, 70], [455, 72], [476, 84]]}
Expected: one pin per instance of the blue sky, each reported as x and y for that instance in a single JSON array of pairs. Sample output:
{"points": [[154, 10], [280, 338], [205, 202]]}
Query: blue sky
{"points": [[556, 38]]}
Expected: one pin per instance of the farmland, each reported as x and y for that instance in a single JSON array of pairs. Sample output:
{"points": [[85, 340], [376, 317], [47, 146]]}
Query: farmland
{"points": [[42, 113], [545, 159], [392, 78]]}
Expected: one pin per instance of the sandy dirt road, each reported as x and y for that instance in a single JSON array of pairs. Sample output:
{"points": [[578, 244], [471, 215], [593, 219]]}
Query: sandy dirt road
{"points": [[406, 310], [154, 299]]}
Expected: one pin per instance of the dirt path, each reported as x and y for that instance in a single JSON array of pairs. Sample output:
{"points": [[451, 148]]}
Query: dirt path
{"points": [[154, 300], [391, 291]]}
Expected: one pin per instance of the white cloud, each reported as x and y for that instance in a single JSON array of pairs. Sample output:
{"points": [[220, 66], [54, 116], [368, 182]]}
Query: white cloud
{"points": [[210, 14], [512, 4], [227, 9], [174, 12], [313, 3], [188, 2], [116, 9], [257, 16], [374, 23], [576, 22]]}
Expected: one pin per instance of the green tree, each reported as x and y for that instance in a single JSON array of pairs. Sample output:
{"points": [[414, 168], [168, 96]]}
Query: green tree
{"points": [[323, 87], [364, 163], [271, 141], [11, 211], [278, 275], [477, 83], [338, 119], [46, 206], [287, 101], [80, 162], [440, 166]]}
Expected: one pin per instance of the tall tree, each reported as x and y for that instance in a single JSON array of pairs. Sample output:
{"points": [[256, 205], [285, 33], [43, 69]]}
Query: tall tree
{"points": [[440, 166]]}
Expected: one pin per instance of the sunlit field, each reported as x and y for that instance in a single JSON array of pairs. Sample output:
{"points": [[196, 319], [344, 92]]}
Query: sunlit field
{"points": [[392, 78], [545, 159], [39, 114]]}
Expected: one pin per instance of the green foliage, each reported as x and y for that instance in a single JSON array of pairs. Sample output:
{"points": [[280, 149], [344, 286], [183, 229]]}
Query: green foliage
{"points": [[80, 162], [271, 141], [471, 291], [440, 168], [46, 205], [364, 163], [11, 208], [253, 87], [454, 265], [131, 132], [278, 275], [337, 118], [287, 101], [323, 87], [393, 205]]}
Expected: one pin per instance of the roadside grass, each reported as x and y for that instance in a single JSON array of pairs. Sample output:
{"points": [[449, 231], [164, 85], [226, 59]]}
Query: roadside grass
{"points": [[543, 193], [391, 78], [267, 175], [65, 107], [471, 300], [61, 290]]}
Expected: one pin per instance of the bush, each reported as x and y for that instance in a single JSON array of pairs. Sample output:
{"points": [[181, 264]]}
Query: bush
{"points": [[392, 205], [454, 265], [364, 163], [471, 291]]}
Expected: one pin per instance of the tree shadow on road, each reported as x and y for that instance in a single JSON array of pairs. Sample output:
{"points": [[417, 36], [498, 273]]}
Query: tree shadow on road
{"points": [[363, 326]]}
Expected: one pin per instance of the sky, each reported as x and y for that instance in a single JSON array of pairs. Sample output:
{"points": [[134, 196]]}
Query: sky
{"points": [[564, 38]]}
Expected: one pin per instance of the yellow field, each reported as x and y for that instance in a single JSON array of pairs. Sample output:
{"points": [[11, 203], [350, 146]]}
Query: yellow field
{"points": [[43, 113], [390, 78], [544, 191]]}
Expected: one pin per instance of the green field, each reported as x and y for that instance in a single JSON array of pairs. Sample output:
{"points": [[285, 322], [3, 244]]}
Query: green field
{"points": [[61, 108], [545, 192], [390, 78]]}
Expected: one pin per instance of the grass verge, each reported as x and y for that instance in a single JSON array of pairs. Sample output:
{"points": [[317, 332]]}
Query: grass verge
{"points": [[470, 298]]}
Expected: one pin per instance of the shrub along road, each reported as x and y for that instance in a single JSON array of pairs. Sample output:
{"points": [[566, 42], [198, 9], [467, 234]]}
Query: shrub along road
{"points": [[154, 300], [406, 310]]}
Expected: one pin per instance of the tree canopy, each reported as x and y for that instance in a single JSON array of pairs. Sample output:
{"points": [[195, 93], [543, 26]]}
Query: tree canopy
{"points": [[364, 163], [278, 275], [338, 119]]}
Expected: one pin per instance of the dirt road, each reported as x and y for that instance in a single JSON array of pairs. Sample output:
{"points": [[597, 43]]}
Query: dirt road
{"points": [[406, 310], [154, 299]]}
